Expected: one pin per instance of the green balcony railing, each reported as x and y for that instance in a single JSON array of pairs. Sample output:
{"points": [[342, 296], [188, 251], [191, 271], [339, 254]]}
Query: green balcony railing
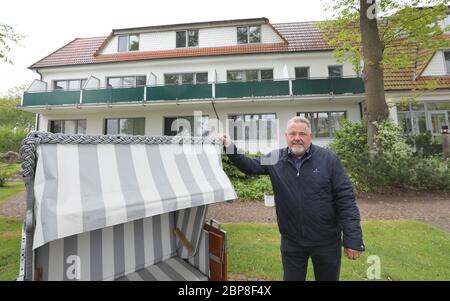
{"points": [[300, 87], [174, 92], [51, 98], [342, 85], [252, 89], [113, 95]]}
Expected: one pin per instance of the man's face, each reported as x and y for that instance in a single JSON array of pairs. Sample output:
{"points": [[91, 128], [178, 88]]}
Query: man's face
{"points": [[298, 138]]}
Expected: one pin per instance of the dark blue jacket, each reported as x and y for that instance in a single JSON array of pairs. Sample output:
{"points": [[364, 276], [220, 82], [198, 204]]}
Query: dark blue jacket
{"points": [[314, 204]]}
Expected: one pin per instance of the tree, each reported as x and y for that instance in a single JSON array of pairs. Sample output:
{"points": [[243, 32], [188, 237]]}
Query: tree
{"points": [[10, 117], [373, 32], [8, 37]]}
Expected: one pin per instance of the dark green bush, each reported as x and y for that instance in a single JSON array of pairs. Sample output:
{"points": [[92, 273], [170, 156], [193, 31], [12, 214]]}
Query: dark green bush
{"points": [[393, 165], [11, 138], [7, 171]]}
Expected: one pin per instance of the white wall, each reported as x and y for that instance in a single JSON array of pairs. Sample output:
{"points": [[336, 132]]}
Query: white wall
{"points": [[155, 116], [208, 37], [317, 61], [436, 65]]}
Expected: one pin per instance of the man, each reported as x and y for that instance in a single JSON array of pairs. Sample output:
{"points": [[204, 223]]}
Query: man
{"points": [[314, 200]]}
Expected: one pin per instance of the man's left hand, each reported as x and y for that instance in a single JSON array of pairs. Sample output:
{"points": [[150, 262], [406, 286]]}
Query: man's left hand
{"points": [[352, 254]]}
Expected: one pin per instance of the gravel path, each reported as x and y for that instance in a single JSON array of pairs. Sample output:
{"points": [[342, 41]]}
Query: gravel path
{"points": [[431, 207]]}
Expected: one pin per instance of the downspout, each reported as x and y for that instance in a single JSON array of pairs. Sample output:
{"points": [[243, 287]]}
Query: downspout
{"points": [[36, 125]]}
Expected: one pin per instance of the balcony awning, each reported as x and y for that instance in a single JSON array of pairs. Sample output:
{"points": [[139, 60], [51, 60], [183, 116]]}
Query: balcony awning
{"points": [[81, 187]]}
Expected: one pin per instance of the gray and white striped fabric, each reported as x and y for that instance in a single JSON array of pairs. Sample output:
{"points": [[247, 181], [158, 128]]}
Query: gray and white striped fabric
{"points": [[108, 253], [84, 187], [173, 269], [190, 222], [201, 258]]}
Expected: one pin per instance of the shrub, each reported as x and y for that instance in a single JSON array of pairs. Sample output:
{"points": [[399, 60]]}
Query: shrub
{"points": [[7, 171], [392, 165], [11, 138]]}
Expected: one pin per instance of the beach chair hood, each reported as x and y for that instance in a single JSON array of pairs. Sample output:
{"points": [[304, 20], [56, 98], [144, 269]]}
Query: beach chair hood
{"points": [[83, 183]]}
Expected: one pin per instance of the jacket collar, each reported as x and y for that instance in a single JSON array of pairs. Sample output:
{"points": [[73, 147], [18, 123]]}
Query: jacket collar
{"points": [[286, 152]]}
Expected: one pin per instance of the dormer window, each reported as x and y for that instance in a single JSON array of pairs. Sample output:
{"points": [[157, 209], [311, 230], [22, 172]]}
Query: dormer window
{"points": [[249, 34], [447, 61], [129, 43], [187, 38]]}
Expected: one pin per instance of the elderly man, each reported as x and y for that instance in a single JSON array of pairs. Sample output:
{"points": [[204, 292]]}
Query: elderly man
{"points": [[314, 199]]}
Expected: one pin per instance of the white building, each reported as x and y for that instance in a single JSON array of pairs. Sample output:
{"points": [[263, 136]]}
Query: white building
{"points": [[140, 80]]}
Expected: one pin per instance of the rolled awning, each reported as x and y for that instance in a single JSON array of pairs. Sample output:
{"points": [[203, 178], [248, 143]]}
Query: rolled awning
{"points": [[80, 187]]}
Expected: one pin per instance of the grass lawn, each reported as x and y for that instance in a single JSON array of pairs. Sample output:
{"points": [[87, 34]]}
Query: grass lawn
{"points": [[10, 233], [408, 250], [10, 189]]}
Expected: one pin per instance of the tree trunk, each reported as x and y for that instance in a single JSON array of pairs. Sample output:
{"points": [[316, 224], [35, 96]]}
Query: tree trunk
{"points": [[372, 51]]}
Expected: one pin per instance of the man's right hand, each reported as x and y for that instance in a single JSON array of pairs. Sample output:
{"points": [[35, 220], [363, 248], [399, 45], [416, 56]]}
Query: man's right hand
{"points": [[226, 140]]}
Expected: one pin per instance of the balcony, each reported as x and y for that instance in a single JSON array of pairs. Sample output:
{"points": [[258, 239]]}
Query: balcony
{"points": [[338, 85], [230, 90], [113, 95], [174, 92], [252, 89]]}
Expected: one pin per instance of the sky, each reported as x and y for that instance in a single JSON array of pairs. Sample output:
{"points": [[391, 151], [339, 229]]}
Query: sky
{"points": [[50, 24]]}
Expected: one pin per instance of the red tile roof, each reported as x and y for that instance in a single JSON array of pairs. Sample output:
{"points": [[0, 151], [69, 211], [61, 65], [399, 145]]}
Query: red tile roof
{"points": [[301, 36], [411, 77]]}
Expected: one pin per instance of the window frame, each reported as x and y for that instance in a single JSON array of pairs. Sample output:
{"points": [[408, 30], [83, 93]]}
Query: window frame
{"points": [[447, 66], [308, 68], [128, 42], [63, 126], [186, 38], [248, 34], [80, 80], [245, 75], [342, 71], [330, 129], [193, 130], [122, 81], [180, 78], [246, 135], [105, 125]]}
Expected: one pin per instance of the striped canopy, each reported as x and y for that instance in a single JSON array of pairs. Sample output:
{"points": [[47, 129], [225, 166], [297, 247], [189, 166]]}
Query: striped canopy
{"points": [[84, 187]]}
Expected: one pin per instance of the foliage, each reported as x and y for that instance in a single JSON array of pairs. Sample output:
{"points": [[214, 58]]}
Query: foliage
{"points": [[248, 188], [400, 23], [7, 171], [8, 37], [10, 116], [393, 165], [11, 138]]}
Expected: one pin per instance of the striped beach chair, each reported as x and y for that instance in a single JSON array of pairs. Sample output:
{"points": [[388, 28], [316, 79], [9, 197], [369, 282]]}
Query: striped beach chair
{"points": [[122, 208]]}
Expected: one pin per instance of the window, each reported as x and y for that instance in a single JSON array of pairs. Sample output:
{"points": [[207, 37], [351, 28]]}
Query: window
{"points": [[128, 43], [126, 81], [447, 61], [125, 126], [186, 78], [335, 71], [253, 126], [71, 84], [68, 126], [187, 38], [302, 72], [248, 34], [249, 75], [323, 124], [418, 117], [186, 126]]}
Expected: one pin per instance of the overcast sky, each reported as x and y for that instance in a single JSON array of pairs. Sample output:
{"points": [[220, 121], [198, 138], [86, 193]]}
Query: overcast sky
{"points": [[50, 24]]}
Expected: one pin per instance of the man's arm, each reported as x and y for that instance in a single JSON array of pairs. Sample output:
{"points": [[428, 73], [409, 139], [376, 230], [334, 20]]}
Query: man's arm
{"points": [[243, 163], [348, 212]]}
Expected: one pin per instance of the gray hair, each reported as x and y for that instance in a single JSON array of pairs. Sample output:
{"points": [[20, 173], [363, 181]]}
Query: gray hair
{"points": [[298, 119]]}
